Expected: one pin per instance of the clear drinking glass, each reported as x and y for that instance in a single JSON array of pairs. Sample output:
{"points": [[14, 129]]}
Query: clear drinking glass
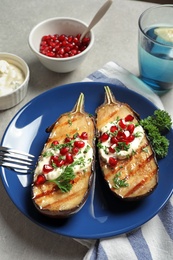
{"points": [[155, 48]]}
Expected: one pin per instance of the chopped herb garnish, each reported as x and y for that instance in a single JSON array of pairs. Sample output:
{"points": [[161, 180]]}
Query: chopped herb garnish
{"points": [[119, 183], [122, 146], [86, 149], [47, 154], [100, 146], [64, 180], [137, 134]]}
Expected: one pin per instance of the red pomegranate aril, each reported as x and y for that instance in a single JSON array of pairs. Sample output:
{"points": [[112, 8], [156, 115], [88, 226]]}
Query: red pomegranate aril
{"points": [[47, 168], [67, 140], [54, 158], [66, 55], [79, 144], [75, 150], [121, 136], [69, 158], [76, 40], [74, 52], [70, 38], [113, 140], [129, 118], [55, 142], [130, 138], [67, 49], [84, 136], [40, 179], [112, 161], [104, 137], [113, 128], [131, 128], [78, 36], [61, 51], [111, 149], [60, 163], [51, 54], [122, 124], [64, 150], [62, 37], [85, 40]]}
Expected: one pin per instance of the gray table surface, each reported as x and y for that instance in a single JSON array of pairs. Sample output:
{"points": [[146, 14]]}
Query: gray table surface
{"points": [[115, 40]]}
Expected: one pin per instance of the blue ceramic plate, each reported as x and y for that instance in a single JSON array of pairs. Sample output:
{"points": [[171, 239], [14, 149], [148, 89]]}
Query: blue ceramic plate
{"points": [[103, 215]]}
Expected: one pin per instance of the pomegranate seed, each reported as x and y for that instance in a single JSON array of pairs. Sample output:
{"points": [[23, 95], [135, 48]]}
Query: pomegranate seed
{"points": [[86, 40], [122, 124], [74, 52], [70, 38], [61, 37], [67, 140], [54, 159], [131, 128], [64, 150], [130, 138], [129, 118], [55, 142], [47, 168], [61, 51], [40, 179], [84, 136], [79, 144], [113, 140], [121, 136], [78, 36], [104, 137], [113, 128], [66, 55], [75, 150], [57, 160], [69, 158], [112, 161], [111, 149], [67, 49]]}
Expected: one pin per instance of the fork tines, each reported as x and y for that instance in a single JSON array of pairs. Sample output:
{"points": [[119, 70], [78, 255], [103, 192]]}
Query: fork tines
{"points": [[15, 159]]}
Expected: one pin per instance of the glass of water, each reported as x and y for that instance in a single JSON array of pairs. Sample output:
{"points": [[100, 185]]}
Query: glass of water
{"points": [[155, 48]]}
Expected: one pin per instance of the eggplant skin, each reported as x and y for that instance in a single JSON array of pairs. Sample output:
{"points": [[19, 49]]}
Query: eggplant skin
{"points": [[140, 169], [48, 199]]}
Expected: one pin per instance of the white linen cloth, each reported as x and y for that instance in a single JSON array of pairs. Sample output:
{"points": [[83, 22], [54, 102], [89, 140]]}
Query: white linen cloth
{"points": [[154, 240]]}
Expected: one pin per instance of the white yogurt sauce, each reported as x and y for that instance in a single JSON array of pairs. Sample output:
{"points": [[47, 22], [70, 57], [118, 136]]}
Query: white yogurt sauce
{"points": [[11, 77], [122, 154], [86, 155]]}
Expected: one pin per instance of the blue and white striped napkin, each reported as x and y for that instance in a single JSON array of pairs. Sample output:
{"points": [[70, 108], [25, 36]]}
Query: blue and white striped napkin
{"points": [[154, 240]]}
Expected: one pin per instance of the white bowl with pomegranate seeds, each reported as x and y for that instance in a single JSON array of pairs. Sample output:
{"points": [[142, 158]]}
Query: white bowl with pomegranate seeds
{"points": [[14, 78], [56, 43]]}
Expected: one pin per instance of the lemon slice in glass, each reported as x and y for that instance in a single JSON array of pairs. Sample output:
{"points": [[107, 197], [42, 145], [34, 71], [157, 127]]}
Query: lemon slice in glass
{"points": [[165, 33]]}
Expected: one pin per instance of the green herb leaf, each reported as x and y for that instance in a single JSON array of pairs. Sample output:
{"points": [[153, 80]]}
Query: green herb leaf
{"points": [[64, 180], [118, 182]]}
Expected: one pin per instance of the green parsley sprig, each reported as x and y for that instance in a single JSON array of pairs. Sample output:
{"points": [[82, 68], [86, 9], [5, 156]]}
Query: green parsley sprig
{"points": [[156, 126]]}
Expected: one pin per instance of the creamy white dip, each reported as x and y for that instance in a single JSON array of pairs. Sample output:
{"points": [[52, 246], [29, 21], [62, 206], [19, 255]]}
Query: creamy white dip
{"points": [[122, 154], [11, 77], [85, 156]]}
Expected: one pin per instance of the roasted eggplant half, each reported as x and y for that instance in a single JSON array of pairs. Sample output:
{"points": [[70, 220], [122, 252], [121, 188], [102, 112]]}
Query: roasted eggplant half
{"points": [[126, 157], [64, 172]]}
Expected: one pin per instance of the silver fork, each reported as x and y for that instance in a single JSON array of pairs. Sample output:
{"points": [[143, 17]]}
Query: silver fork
{"points": [[16, 160]]}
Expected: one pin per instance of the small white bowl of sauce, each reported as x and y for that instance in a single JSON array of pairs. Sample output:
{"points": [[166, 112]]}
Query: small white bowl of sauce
{"points": [[14, 78]]}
